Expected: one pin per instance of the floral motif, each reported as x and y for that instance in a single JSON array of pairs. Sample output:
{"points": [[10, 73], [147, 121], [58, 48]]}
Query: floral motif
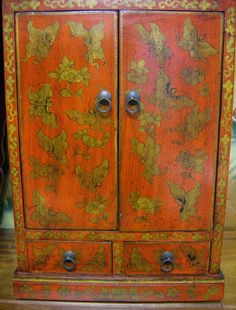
{"points": [[95, 208], [156, 41], [67, 72], [32, 4], [70, 3], [40, 104], [145, 207], [189, 4], [148, 121], [40, 41], [149, 4]]}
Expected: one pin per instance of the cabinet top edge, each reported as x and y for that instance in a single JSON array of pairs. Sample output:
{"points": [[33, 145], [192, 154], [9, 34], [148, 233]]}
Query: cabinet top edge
{"points": [[12, 6]]}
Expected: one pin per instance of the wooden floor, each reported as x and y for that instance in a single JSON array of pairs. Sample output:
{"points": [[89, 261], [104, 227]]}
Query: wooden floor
{"points": [[8, 263]]}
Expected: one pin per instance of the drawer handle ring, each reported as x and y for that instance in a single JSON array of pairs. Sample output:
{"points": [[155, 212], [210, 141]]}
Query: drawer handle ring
{"points": [[69, 261], [167, 262], [103, 101], [133, 104]]}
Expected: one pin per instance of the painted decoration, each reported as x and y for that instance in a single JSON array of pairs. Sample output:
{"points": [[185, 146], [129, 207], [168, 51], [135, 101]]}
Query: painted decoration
{"points": [[67, 145], [170, 146]]}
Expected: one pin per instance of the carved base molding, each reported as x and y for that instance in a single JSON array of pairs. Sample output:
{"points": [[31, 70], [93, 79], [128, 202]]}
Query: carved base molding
{"points": [[173, 289]]}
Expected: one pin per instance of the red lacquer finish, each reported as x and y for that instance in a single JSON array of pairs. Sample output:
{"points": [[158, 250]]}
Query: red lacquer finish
{"points": [[118, 190], [146, 258], [172, 83], [82, 143]]}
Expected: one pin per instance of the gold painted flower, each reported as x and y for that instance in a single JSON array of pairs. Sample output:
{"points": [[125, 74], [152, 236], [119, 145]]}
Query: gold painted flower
{"points": [[228, 86]]}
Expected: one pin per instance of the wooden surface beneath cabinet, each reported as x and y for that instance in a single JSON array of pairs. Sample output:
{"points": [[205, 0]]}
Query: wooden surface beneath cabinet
{"points": [[118, 126]]}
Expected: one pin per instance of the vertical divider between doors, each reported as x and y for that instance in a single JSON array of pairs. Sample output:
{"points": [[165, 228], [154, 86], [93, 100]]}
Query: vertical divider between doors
{"points": [[118, 79]]}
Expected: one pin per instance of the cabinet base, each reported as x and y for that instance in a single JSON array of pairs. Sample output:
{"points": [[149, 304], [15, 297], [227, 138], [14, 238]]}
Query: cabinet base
{"points": [[172, 289]]}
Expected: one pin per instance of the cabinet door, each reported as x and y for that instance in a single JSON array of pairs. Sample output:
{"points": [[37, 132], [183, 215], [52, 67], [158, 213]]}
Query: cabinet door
{"points": [[68, 148], [168, 150]]}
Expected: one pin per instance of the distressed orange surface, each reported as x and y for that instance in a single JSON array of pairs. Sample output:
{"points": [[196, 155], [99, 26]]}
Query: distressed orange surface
{"points": [[133, 291], [189, 258], [134, 49], [31, 75], [84, 252]]}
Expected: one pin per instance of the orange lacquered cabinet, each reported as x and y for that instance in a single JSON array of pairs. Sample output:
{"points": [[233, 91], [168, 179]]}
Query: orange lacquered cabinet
{"points": [[118, 131]]}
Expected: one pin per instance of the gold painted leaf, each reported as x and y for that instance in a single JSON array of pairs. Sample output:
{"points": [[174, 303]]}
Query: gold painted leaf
{"points": [[164, 97], [93, 40], [40, 41], [138, 263], [193, 42], [148, 121], [193, 77], [65, 92], [66, 72], [156, 41], [193, 123], [187, 200], [148, 205], [54, 146], [95, 178], [40, 101], [47, 217]]}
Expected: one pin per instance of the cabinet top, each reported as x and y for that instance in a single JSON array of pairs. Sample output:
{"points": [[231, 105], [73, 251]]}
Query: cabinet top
{"points": [[10, 6]]}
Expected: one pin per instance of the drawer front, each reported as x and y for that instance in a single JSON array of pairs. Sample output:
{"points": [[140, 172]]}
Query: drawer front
{"points": [[76, 257], [150, 258]]}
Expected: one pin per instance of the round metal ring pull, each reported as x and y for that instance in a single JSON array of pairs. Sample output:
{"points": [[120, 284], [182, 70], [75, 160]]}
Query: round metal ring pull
{"points": [[103, 102], [133, 104], [69, 261], [167, 262]]}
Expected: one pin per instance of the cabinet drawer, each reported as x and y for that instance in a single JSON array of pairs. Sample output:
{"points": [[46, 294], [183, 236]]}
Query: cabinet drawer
{"points": [[77, 257], [151, 258]]}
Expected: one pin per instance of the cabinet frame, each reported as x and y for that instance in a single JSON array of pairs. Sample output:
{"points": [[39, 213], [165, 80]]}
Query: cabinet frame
{"points": [[10, 7]]}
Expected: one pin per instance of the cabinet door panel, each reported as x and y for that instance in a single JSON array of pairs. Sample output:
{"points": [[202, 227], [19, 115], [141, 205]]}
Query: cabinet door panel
{"points": [[173, 60], [68, 148]]}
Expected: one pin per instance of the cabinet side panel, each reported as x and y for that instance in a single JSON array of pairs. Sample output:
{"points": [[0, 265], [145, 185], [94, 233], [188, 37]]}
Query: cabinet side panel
{"points": [[13, 139]]}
